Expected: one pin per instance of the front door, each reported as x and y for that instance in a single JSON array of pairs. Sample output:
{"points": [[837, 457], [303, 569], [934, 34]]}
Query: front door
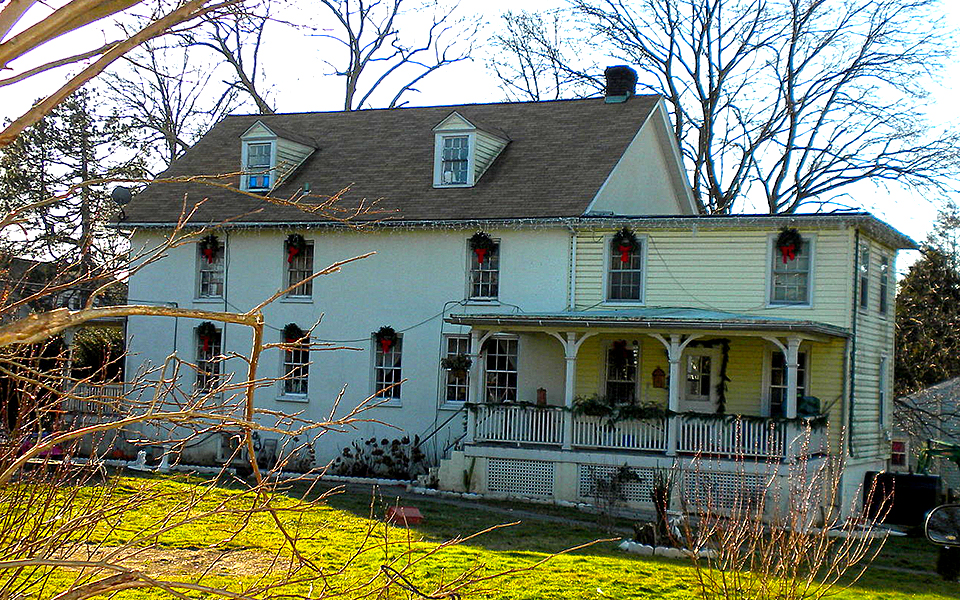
{"points": [[700, 370]]}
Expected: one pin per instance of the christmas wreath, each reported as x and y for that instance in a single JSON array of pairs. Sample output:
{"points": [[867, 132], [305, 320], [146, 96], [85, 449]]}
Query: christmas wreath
{"points": [[625, 242], [209, 247], [789, 243], [620, 354], [206, 331], [292, 333], [482, 245], [386, 337], [295, 246]]}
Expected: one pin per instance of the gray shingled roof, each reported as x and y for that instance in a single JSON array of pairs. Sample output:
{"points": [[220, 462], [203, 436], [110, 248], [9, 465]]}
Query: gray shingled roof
{"points": [[559, 155]]}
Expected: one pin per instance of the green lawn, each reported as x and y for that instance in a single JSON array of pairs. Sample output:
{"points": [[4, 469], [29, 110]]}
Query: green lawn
{"points": [[341, 531]]}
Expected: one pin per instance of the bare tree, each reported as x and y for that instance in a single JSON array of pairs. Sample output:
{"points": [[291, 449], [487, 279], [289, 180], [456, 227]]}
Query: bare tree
{"points": [[375, 59], [76, 17], [235, 37], [166, 98], [781, 103], [531, 56]]}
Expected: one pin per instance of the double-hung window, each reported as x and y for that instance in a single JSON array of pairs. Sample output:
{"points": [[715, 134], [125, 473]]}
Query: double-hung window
{"points": [[210, 272], [621, 385], [296, 360], [209, 360], [258, 165], [456, 383], [778, 381], [864, 276], [500, 372], [387, 369], [455, 160], [625, 274], [484, 275], [884, 284], [299, 267], [790, 277]]}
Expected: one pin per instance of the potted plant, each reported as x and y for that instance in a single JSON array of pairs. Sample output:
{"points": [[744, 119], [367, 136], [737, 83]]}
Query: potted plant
{"points": [[459, 365]]}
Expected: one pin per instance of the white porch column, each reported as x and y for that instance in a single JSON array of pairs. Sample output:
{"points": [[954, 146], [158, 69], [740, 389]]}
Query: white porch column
{"points": [[793, 364], [675, 348], [473, 390], [570, 348]]}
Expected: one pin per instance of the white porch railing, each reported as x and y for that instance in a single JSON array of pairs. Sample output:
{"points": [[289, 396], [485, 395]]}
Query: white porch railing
{"points": [[733, 437], [93, 398], [597, 432], [519, 424]]}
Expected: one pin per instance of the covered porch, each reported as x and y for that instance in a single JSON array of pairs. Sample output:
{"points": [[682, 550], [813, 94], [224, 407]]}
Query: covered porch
{"points": [[675, 382]]}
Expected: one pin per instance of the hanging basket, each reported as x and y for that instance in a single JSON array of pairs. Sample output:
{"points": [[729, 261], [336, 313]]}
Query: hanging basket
{"points": [[459, 365], [206, 331], [292, 333], [296, 246], [625, 242], [482, 245], [789, 243], [386, 337], [210, 247]]}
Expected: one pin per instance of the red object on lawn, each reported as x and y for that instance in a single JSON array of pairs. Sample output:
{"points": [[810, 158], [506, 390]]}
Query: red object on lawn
{"points": [[404, 515]]}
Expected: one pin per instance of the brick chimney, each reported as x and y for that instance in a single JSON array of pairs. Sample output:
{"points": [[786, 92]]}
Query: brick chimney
{"points": [[621, 84]]}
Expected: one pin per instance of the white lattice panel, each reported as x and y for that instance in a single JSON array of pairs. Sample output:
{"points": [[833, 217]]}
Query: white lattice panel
{"points": [[520, 477], [723, 491], [633, 491]]}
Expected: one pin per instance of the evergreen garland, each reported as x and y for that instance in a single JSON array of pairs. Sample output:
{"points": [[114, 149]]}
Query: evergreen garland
{"points": [[482, 245], [210, 247], [721, 387], [292, 333], [295, 246], [789, 243], [625, 242], [386, 337]]}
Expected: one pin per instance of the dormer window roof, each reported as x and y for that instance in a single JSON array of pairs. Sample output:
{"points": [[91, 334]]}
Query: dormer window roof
{"points": [[463, 151], [268, 155]]}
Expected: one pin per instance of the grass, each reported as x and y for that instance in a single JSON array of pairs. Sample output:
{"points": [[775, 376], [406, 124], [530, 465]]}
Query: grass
{"points": [[334, 533]]}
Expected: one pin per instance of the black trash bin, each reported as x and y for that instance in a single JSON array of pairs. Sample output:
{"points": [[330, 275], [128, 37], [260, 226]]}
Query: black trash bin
{"points": [[911, 496]]}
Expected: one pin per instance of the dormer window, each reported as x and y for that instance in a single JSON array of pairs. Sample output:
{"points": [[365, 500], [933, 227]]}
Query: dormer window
{"points": [[455, 160], [463, 151], [258, 165]]}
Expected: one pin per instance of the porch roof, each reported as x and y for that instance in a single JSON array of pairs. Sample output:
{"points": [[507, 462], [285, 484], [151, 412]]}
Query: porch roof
{"points": [[652, 318]]}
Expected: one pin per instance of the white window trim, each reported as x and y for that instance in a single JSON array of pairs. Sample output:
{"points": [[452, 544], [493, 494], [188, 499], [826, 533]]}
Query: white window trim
{"points": [[244, 180], [484, 300], [811, 240], [384, 402], [285, 272], [442, 379], [285, 396], [863, 278], [220, 375], [765, 408], [639, 361], [883, 300], [197, 268], [605, 280], [439, 136]]}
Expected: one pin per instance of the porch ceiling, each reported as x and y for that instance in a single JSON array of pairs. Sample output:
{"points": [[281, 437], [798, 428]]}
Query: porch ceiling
{"points": [[670, 319]]}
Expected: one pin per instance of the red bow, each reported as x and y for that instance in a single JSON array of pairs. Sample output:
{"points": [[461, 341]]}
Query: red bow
{"points": [[481, 252], [788, 252], [291, 252], [625, 253], [208, 254], [385, 344]]}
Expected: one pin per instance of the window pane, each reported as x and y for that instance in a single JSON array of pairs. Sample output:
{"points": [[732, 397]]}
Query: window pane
{"points": [[457, 384], [296, 370], [208, 361], [485, 276], [210, 279], [388, 371], [258, 156], [621, 375], [501, 370], [790, 280], [625, 278], [455, 159], [299, 269]]}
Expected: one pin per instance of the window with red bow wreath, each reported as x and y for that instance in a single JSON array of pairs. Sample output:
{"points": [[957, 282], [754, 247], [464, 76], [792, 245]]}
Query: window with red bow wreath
{"points": [[790, 244], [207, 332], [295, 246], [386, 337], [625, 242], [292, 333], [482, 245], [210, 247]]}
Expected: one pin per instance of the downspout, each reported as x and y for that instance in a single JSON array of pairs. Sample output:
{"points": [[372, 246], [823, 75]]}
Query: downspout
{"points": [[853, 341], [572, 278]]}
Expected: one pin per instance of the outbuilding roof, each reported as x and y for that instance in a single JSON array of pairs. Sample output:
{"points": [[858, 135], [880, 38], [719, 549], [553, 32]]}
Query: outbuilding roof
{"points": [[559, 155]]}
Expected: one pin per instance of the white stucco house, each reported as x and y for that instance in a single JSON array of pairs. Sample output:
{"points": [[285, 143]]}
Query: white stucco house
{"points": [[597, 278]]}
